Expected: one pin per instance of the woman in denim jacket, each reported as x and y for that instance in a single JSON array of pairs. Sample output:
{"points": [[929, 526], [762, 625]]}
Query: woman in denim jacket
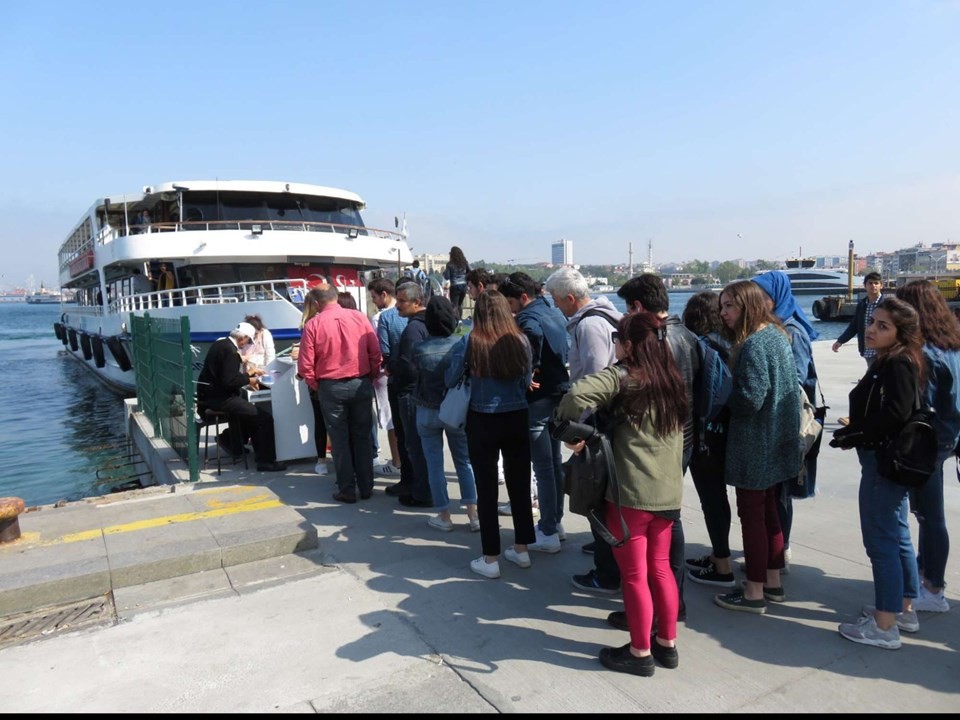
{"points": [[941, 334], [431, 358], [880, 405], [499, 364]]}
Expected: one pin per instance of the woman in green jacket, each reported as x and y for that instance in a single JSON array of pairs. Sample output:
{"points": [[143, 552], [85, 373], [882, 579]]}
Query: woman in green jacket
{"points": [[646, 395]]}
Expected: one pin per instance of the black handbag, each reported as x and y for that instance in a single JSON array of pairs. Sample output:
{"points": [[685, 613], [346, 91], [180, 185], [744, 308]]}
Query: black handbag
{"points": [[910, 457]]}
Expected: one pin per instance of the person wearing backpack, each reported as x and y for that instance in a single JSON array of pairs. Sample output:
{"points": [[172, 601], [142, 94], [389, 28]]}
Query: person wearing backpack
{"points": [[880, 406], [780, 300], [649, 405], [941, 349], [762, 438], [702, 317]]}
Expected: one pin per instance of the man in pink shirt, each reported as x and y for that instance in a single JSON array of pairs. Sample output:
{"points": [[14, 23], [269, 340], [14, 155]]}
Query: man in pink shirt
{"points": [[339, 358]]}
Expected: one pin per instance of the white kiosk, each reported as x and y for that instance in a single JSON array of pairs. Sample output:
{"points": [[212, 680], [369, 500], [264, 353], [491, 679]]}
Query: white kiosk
{"points": [[292, 411]]}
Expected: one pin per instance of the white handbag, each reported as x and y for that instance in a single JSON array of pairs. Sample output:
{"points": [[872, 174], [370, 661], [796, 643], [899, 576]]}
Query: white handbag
{"points": [[456, 402]]}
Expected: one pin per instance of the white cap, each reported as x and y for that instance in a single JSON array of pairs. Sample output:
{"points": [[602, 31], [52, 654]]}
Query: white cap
{"points": [[247, 329]]}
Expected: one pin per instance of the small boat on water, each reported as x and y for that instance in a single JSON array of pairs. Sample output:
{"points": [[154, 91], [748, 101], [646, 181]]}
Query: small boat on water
{"points": [[806, 279], [213, 251]]}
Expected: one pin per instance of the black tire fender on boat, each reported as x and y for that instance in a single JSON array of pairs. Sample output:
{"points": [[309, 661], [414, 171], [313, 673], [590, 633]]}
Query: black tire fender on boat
{"points": [[58, 331], [72, 337], [85, 346], [818, 310], [96, 343], [119, 354]]}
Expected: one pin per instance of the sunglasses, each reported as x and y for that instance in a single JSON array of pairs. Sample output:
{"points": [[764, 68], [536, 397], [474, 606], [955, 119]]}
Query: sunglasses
{"points": [[615, 336]]}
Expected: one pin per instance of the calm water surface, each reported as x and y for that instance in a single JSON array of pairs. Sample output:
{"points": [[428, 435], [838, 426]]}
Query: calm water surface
{"points": [[59, 425]]}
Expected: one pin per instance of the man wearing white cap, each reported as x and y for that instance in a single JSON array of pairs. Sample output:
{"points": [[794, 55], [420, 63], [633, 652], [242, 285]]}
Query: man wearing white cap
{"points": [[218, 388]]}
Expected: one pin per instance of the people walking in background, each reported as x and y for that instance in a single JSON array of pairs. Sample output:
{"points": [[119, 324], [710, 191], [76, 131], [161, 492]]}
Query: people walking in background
{"points": [[456, 274], [649, 406], [545, 329], [880, 405], [403, 370], [499, 363], [762, 447], [260, 352], [431, 358], [780, 300], [311, 306], [647, 292], [941, 349], [873, 284], [591, 323], [702, 317], [340, 358]]}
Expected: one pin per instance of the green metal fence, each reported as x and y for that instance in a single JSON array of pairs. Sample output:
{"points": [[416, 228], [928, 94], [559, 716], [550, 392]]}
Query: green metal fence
{"points": [[163, 363]]}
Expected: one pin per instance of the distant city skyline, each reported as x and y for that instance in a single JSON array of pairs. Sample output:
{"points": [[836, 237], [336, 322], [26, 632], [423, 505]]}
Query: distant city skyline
{"points": [[718, 131]]}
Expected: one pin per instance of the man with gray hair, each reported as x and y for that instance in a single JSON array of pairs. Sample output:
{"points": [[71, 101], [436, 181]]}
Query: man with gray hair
{"points": [[591, 323]]}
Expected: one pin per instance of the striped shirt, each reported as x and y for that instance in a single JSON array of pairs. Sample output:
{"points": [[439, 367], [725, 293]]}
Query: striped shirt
{"points": [[871, 306]]}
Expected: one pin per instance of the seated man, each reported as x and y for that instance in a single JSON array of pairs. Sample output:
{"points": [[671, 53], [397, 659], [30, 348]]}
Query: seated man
{"points": [[218, 388]]}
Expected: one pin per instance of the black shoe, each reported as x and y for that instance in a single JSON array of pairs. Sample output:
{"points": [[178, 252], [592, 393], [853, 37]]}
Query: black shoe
{"points": [[738, 601], [590, 583], [618, 619], [343, 497], [225, 446], [366, 495], [666, 656], [621, 660], [709, 576], [410, 501], [773, 594], [399, 488], [699, 563], [589, 548], [271, 466]]}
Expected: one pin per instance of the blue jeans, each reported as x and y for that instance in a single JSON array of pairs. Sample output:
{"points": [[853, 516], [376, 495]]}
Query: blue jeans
{"points": [[547, 464], [431, 437], [886, 536], [347, 412], [933, 544], [419, 479]]}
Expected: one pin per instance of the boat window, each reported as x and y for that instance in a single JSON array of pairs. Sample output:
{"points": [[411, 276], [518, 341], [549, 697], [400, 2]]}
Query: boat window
{"points": [[211, 206]]}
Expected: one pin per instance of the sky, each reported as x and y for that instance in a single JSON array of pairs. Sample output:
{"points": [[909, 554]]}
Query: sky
{"points": [[714, 130]]}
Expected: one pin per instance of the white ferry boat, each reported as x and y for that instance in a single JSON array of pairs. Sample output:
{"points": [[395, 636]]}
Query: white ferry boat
{"points": [[805, 279], [44, 297], [231, 249]]}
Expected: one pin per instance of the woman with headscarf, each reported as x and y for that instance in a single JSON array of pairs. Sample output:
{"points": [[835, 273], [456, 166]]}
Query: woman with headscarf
{"points": [[780, 300]]}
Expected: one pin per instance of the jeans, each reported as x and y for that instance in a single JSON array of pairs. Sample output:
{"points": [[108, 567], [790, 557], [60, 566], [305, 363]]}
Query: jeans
{"points": [[419, 476], [489, 435], [347, 412], [547, 464], [885, 529], [431, 437], [933, 543], [714, 501], [760, 527], [406, 468]]}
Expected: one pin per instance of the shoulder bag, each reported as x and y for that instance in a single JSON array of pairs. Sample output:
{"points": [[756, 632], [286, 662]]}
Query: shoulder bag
{"points": [[910, 457], [456, 401]]}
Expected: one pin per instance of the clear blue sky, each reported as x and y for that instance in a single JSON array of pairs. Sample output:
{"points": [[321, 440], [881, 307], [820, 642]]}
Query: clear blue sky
{"points": [[500, 126]]}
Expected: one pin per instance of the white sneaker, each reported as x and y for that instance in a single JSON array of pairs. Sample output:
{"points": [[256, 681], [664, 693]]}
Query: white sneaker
{"points": [[545, 543], [505, 509], [321, 467], [474, 525], [386, 468], [561, 533], [931, 602], [482, 567], [787, 555], [866, 632], [906, 621], [439, 523], [517, 558]]}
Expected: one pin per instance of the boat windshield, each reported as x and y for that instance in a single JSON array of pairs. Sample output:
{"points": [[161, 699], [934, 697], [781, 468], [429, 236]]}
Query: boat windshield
{"points": [[213, 206]]}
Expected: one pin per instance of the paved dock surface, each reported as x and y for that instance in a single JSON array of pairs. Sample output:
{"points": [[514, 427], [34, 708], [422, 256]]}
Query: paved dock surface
{"points": [[384, 614]]}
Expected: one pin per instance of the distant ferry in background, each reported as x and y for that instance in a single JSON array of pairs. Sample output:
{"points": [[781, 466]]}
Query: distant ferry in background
{"points": [[47, 297], [805, 279]]}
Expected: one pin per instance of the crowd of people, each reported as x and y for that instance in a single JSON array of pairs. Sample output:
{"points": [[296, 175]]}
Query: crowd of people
{"points": [[539, 354]]}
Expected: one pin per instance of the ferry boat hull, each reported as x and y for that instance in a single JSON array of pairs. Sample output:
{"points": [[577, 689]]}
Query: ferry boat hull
{"points": [[260, 262]]}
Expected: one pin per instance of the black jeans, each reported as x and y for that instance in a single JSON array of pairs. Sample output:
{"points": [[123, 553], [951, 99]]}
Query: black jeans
{"points": [[347, 407], [256, 423], [712, 490], [457, 294], [319, 427], [406, 468]]}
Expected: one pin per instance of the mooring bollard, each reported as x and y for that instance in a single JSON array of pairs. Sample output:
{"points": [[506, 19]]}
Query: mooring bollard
{"points": [[10, 509]]}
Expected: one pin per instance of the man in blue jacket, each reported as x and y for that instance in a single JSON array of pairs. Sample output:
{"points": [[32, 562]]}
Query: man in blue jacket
{"points": [[858, 325], [545, 328]]}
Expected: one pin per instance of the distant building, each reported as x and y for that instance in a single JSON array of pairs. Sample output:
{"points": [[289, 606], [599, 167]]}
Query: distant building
{"points": [[561, 253]]}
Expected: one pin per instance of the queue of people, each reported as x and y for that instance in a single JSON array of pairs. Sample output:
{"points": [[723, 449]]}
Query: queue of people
{"points": [[535, 355]]}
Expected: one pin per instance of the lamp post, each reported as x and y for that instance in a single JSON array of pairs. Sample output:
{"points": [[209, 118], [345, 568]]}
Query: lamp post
{"points": [[936, 263]]}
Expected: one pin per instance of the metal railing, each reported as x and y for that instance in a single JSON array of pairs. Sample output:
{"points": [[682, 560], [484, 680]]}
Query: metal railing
{"points": [[289, 290], [163, 363]]}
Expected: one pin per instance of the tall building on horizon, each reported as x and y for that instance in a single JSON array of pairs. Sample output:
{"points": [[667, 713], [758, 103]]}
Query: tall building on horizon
{"points": [[561, 252]]}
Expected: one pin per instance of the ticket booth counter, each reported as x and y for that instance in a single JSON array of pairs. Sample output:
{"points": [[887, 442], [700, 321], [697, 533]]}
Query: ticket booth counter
{"points": [[291, 408]]}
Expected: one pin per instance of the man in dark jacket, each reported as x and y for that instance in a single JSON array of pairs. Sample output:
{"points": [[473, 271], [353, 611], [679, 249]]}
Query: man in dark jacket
{"points": [[218, 388], [403, 371], [545, 328], [873, 284]]}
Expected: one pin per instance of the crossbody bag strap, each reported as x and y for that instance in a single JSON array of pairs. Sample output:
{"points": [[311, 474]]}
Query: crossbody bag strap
{"points": [[597, 523]]}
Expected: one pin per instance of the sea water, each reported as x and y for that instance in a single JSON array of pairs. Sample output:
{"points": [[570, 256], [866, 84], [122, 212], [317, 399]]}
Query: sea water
{"points": [[61, 429]]}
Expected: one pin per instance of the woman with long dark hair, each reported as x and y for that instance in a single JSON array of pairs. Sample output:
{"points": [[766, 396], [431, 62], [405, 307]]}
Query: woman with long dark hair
{"points": [[647, 401], [762, 437], [941, 335], [498, 359], [880, 405], [456, 274]]}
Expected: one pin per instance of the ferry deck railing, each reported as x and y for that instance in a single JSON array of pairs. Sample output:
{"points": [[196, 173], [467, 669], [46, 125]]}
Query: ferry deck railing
{"points": [[289, 290]]}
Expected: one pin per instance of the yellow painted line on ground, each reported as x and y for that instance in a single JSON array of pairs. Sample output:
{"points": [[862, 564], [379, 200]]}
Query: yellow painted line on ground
{"points": [[261, 502]]}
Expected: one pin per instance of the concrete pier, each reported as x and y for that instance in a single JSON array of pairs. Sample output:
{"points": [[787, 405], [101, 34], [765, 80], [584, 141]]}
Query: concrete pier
{"points": [[210, 599]]}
